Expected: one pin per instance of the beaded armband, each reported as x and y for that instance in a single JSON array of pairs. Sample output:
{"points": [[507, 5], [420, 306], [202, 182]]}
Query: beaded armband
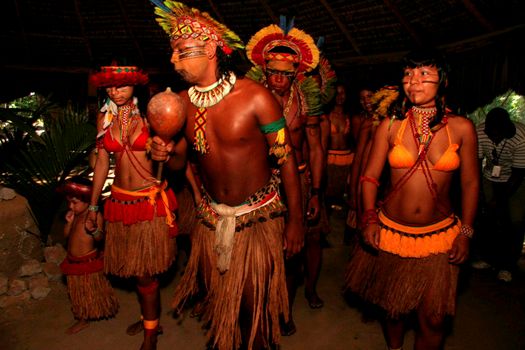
{"points": [[280, 149], [95, 234]]}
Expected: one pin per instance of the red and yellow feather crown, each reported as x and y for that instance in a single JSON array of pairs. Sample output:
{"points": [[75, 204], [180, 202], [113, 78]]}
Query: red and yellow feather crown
{"points": [[115, 75], [261, 43]]}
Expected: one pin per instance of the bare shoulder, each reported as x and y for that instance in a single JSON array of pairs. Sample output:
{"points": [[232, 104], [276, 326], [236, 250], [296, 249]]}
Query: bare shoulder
{"points": [[252, 88], [257, 97], [460, 123], [184, 95]]}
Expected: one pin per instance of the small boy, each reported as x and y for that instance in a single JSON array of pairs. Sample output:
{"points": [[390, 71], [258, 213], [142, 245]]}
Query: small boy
{"points": [[90, 292]]}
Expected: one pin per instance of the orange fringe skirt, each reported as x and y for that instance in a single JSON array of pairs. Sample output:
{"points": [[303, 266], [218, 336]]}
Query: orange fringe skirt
{"points": [[256, 272], [398, 284], [91, 294], [137, 248]]}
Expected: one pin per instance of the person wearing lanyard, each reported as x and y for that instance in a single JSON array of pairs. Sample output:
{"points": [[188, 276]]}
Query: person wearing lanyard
{"points": [[501, 149]]}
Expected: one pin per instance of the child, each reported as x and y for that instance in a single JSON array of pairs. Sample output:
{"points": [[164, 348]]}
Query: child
{"points": [[90, 293]]}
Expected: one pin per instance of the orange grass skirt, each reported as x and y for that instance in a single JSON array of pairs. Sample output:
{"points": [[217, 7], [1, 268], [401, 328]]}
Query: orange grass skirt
{"points": [[398, 284]]}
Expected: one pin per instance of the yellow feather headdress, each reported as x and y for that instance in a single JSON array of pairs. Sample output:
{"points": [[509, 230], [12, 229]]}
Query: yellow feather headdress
{"points": [[260, 44], [183, 22]]}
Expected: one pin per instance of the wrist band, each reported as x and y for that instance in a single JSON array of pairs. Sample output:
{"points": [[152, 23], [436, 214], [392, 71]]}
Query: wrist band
{"points": [[314, 191], [467, 231], [369, 217], [93, 208], [369, 179]]}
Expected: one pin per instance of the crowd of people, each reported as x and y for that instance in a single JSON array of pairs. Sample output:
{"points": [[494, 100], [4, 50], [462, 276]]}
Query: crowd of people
{"points": [[266, 155]]}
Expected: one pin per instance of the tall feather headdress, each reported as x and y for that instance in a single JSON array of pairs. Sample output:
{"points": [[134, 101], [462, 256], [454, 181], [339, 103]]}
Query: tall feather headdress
{"points": [[261, 43], [183, 22]]}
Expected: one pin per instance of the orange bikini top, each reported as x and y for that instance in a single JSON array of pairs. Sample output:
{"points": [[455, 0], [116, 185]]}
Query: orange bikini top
{"points": [[399, 157], [112, 145]]}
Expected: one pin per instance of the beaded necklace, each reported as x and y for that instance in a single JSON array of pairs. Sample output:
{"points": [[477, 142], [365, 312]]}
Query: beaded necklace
{"points": [[421, 130], [423, 136], [288, 106], [204, 97], [124, 113]]}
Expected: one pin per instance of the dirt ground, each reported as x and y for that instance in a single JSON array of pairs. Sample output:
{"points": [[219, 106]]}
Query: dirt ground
{"points": [[490, 316]]}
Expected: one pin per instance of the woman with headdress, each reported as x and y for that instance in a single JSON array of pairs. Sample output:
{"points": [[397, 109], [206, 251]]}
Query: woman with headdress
{"points": [[138, 213], [416, 240]]}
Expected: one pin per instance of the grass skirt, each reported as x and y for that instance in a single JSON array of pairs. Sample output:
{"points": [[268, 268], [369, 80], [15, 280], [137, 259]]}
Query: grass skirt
{"points": [[91, 296], [141, 249], [398, 284], [187, 212], [255, 279]]}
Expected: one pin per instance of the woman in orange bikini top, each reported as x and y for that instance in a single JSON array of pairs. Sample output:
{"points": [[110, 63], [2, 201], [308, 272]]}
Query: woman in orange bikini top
{"points": [[400, 157], [415, 219]]}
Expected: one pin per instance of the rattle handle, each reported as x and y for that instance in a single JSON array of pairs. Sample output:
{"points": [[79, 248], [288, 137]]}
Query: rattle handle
{"points": [[159, 170]]}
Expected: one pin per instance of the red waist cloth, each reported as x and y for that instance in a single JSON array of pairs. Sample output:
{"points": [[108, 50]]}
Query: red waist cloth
{"points": [[82, 265], [130, 209]]}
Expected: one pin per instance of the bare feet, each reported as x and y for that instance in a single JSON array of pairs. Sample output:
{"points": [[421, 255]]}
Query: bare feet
{"points": [[313, 300], [198, 309], [77, 327], [288, 328], [135, 328]]}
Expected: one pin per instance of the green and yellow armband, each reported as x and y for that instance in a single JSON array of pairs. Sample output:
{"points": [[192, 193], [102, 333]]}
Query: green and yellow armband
{"points": [[280, 148]]}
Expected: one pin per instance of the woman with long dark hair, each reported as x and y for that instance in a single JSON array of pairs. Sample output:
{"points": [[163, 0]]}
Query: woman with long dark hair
{"points": [[414, 243], [140, 226]]}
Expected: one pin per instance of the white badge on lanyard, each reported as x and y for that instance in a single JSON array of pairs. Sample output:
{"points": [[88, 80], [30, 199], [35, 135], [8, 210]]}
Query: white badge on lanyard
{"points": [[496, 171]]}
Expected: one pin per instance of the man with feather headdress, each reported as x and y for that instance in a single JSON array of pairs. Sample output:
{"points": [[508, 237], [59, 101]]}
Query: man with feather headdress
{"points": [[282, 56], [234, 126]]}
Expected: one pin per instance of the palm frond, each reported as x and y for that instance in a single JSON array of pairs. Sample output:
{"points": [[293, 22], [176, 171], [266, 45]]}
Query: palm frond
{"points": [[35, 170]]}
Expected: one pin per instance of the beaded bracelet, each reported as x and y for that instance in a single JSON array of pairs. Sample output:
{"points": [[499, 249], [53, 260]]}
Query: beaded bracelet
{"points": [[369, 179], [369, 217], [93, 208], [467, 231]]}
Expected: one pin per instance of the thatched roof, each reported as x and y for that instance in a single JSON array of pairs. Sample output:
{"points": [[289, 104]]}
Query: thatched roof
{"points": [[362, 37]]}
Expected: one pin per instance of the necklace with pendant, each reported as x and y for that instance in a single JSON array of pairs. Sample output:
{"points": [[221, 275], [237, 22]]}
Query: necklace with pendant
{"points": [[421, 129], [124, 113], [211, 95]]}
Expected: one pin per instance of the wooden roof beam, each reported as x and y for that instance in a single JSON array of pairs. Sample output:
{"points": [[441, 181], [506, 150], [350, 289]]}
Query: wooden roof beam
{"points": [[342, 26], [129, 29], [269, 11], [458, 46], [395, 10], [83, 31], [485, 23]]}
